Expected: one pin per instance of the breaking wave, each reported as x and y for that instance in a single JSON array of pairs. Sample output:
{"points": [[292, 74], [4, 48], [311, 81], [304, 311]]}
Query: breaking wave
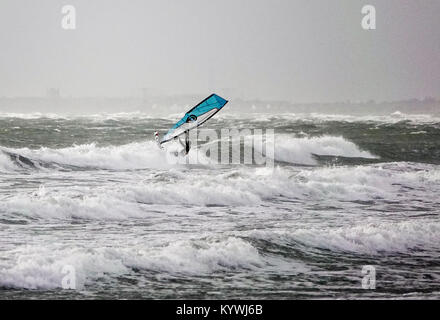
{"points": [[302, 150], [370, 238], [40, 267], [138, 155], [141, 155], [241, 187], [44, 266]]}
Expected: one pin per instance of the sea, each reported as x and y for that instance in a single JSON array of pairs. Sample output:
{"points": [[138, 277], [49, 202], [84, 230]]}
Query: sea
{"points": [[91, 208]]}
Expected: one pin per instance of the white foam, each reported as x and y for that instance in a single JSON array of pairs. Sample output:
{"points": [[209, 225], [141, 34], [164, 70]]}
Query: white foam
{"points": [[39, 267], [31, 115], [137, 155], [365, 238], [301, 150], [141, 155], [392, 118], [75, 202], [98, 117], [240, 187]]}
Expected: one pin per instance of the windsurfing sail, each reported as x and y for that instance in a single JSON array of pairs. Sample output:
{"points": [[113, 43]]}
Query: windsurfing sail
{"points": [[196, 116]]}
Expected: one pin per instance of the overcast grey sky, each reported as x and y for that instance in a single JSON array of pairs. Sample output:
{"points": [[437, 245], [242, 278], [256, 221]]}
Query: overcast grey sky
{"points": [[300, 50]]}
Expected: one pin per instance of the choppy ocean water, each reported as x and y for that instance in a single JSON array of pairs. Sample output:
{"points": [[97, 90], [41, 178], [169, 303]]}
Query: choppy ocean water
{"points": [[95, 193]]}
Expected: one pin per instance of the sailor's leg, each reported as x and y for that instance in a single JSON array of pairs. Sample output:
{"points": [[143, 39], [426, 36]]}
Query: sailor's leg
{"points": [[187, 143]]}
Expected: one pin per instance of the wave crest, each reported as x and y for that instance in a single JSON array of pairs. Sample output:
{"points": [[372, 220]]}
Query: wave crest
{"points": [[302, 150]]}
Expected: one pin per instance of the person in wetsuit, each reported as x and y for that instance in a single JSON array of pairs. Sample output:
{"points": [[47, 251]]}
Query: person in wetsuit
{"points": [[186, 146]]}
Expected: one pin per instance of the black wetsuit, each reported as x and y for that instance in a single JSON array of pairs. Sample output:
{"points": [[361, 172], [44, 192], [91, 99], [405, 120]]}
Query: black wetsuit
{"points": [[185, 146], [187, 143]]}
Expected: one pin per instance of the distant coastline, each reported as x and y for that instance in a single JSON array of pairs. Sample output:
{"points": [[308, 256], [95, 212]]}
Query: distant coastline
{"points": [[178, 103]]}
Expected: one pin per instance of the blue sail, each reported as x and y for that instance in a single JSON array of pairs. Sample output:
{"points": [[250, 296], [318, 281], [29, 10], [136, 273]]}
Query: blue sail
{"points": [[196, 116]]}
